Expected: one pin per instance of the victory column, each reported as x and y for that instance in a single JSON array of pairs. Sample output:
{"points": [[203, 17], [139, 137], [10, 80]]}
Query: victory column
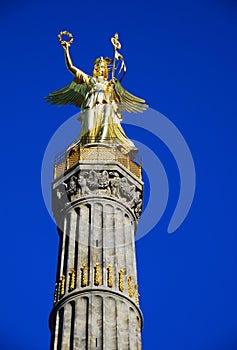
{"points": [[97, 200]]}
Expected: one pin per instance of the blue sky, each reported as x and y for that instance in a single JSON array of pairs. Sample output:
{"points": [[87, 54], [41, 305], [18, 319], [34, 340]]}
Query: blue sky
{"points": [[181, 57]]}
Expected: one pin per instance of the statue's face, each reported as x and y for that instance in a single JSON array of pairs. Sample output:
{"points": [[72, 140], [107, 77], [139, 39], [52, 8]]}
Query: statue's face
{"points": [[100, 70]]}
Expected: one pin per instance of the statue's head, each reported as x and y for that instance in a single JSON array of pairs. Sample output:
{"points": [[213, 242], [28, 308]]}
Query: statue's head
{"points": [[101, 68]]}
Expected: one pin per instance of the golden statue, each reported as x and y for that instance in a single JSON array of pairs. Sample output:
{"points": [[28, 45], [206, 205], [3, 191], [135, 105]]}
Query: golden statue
{"points": [[101, 100]]}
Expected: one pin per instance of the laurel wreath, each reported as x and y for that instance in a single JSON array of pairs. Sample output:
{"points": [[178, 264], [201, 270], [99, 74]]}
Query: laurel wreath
{"points": [[64, 41]]}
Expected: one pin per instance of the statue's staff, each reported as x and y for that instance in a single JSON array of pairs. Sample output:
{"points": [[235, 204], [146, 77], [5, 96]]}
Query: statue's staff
{"points": [[117, 56]]}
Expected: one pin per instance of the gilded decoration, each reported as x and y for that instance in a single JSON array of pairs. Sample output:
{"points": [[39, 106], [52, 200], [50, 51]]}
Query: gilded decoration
{"points": [[100, 96], [136, 294], [110, 275], [63, 281], [121, 280], [72, 284], [97, 279], [55, 293], [84, 280], [130, 286]]}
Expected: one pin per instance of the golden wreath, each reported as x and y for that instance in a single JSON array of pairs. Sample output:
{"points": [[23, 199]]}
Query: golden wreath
{"points": [[63, 41]]}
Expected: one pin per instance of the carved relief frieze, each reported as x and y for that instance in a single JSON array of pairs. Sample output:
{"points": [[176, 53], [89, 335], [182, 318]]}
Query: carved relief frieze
{"points": [[105, 183]]}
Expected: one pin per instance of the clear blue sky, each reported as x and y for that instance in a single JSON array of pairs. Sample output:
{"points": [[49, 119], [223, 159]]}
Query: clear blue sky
{"points": [[181, 57]]}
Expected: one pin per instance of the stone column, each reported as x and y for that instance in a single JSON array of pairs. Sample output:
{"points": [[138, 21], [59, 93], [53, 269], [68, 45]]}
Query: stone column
{"points": [[97, 205]]}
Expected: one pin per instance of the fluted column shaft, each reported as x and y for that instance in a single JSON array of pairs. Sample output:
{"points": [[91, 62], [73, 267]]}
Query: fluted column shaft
{"points": [[96, 297]]}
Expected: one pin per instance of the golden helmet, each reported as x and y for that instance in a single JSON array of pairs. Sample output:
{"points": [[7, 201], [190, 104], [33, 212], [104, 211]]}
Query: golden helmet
{"points": [[102, 67]]}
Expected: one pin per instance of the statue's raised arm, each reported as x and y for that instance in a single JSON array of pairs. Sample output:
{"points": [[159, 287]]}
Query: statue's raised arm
{"points": [[101, 100], [75, 92], [74, 70], [81, 76]]}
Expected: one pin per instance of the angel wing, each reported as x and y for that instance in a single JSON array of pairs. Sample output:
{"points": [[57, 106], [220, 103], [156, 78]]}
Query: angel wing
{"points": [[72, 93], [127, 101]]}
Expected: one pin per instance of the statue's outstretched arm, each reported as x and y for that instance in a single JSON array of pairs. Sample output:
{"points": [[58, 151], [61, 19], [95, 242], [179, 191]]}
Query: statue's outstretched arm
{"points": [[74, 70], [68, 59]]}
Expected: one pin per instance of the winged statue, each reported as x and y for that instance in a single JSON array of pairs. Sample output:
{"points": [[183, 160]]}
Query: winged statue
{"points": [[100, 99]]}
